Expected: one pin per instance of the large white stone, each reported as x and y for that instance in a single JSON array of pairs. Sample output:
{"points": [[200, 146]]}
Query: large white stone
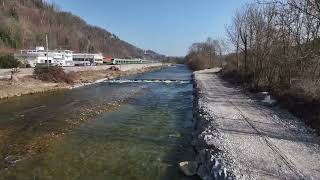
{"points": [[189, 168]]}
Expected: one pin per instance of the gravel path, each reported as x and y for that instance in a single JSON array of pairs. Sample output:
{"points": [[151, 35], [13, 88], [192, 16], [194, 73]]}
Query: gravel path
{"points": [[258, 142]]}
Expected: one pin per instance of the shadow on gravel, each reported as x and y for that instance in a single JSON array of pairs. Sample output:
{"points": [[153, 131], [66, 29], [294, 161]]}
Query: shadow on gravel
{"points": [[279, 117]]}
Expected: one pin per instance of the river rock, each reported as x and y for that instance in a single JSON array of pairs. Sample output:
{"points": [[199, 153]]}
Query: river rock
{"points": [[269, 101], [11, 159], [189, 168]]}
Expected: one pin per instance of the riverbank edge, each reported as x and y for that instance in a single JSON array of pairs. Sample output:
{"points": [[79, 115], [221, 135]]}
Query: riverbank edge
{"points": [[213, 162], [137, 71], [63, 86]]}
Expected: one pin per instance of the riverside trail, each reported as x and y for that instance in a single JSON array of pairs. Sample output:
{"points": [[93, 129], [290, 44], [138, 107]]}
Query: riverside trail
{"points": [[253, 141]]}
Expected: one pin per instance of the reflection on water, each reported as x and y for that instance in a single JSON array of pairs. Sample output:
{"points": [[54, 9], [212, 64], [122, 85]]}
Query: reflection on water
{"points": [[144, 138]]}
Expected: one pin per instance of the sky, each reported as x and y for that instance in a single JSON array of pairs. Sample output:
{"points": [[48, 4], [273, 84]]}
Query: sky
{"points": [[168, 27]]}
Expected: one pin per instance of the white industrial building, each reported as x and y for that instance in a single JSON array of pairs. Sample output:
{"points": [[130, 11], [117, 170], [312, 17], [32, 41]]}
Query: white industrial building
{"points": [[85, 59], [40, 56], [58, 58], [62, 57]]}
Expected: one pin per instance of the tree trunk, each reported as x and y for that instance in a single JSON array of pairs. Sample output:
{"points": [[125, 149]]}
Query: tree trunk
{"points": [[14, 76]]}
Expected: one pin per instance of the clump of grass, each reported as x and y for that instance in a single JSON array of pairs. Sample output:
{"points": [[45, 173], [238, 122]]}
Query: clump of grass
{"points": [[53, 74]]}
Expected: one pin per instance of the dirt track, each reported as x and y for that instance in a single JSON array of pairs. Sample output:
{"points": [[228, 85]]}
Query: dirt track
{"points": [[257, 142]]}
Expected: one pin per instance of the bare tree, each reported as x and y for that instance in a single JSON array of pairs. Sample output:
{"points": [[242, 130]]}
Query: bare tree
{"points": [[205, 54], [277, 41]]}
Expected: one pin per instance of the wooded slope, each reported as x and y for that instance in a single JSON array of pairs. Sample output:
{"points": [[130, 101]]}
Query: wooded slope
{"points": [[24, 24]]}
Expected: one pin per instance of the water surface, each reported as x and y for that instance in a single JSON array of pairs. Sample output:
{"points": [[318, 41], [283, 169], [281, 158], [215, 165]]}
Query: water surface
{"points": [[145, 135]]}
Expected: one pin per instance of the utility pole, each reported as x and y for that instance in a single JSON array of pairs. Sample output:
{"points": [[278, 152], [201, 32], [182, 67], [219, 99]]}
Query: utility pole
{"points": [[87, 51], [47, 43]]}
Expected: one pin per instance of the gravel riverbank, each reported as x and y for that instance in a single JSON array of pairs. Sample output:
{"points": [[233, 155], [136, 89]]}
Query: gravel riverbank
{"points": [[239, 138]]}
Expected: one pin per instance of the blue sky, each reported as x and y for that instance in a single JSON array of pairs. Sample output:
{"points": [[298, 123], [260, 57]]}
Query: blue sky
{"points": [[165, 26]]}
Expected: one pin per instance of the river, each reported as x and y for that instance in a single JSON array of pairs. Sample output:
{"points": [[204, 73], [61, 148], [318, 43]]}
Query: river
{"points": [[139, 128]]}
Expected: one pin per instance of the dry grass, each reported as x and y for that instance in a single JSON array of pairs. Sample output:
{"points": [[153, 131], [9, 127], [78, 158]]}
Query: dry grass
{"points": [[54, 74], [302, 98]]}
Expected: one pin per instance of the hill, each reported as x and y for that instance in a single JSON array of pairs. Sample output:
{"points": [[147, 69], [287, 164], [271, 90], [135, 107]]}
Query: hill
{"points": [[24, 24]]}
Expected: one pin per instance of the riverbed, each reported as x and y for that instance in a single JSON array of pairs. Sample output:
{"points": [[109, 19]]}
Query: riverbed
{"points": [[122, 129]]}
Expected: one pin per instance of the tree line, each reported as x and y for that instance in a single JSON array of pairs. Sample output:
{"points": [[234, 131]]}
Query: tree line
{"points": [[275, 44], [203, 55], [275, 47]]}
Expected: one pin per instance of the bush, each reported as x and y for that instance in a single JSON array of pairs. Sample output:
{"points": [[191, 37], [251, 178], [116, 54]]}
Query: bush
{"points": [[8, 61], [53, 74], [114, 68], [14, 14]]}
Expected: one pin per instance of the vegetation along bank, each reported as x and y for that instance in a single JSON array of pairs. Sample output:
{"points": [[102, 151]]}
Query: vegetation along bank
{"points": [[272, 46]]}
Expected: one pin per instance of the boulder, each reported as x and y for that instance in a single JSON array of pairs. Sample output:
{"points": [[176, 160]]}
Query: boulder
{"points": [[269, 101], [189, 168]]}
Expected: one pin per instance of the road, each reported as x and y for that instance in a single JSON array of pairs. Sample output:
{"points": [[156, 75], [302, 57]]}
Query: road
{"points": [[258, 142], [6, 73]]}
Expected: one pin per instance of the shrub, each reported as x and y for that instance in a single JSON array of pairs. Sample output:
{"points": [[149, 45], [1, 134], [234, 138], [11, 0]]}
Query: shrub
{"points": [[53, 74], [8, 61], [114, 68], [14, 14]]}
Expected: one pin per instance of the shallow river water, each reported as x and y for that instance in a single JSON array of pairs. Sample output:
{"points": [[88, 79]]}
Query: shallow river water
{"points": [[145, 135]]}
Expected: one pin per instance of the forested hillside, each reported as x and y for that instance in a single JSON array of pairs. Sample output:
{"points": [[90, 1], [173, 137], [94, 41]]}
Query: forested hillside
{"points": [[24, 24]]}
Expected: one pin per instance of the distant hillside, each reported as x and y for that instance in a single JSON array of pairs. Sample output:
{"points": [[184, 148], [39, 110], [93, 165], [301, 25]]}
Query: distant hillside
{"points": [[24, 23]]}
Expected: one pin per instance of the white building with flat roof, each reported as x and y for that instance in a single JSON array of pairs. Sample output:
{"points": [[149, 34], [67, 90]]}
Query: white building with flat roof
{"points": [[86, 59], [62, 57], [40, 56]]}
